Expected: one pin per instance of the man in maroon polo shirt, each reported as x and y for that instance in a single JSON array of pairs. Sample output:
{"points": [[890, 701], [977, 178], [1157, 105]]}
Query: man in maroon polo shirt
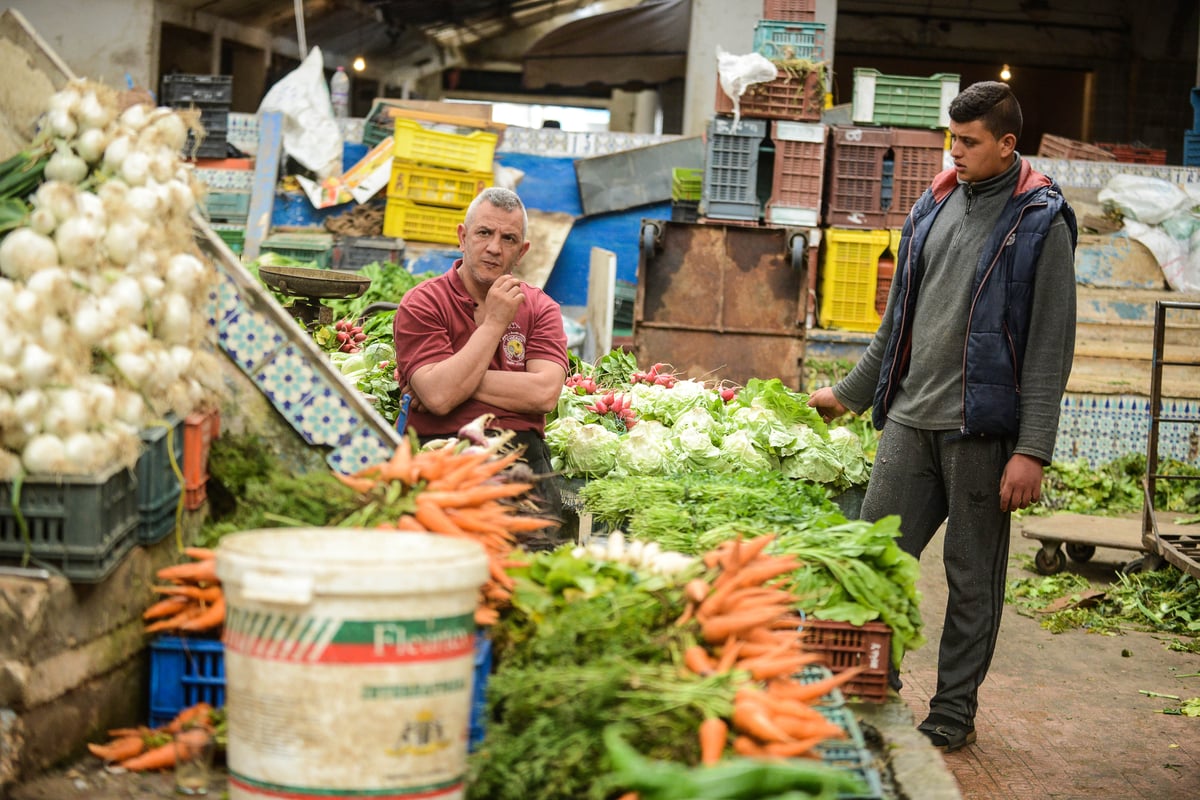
{"points": [[477, 340]]}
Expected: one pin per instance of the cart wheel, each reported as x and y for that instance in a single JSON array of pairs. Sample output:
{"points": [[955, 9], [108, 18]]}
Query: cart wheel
{"points": [[1081, 552], [1049, 562]]}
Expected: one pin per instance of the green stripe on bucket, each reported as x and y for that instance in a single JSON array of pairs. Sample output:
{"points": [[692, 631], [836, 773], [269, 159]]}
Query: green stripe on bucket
{"points": [[285, 792]]}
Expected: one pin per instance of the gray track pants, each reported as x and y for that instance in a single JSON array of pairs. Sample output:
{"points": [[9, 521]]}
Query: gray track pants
{"points": [[931, 477]]}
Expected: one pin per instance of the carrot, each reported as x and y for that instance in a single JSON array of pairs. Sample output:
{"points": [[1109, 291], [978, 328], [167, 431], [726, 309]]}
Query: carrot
{"points": [[118, 749], [767, 667], [696, 590], [808, 728], [165, 607], [161, 757], [360, 485], [408, 522], [499, 575], [211, 617], [718, 629], [729, 654], [197, 714], [697, 659], [206, 594], [763, 571], [750, 718], [807, 692], [732, 556], [469, 520], [751, 549], [516, 523], [629, 796], [745, 746], [747, 596], [713, 735], [486, 616], [455, 477], [122, 733], [794, 749], [399, 466], [431, 515], [200, 553], [172, 623], [688, 611], [190, 572]]}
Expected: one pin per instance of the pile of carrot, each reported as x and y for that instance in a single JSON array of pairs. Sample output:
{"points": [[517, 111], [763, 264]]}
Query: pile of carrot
{"points": [[193, 601], [748, 623], [459, 493], [144, 749]]}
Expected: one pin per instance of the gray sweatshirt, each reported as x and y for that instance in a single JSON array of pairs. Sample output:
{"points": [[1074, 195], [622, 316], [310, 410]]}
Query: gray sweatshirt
{"points": [[930, 395]]}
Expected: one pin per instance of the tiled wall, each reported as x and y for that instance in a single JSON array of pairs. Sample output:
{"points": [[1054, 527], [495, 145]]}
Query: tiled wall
{"points": [[1103, 428], [263, 347]]}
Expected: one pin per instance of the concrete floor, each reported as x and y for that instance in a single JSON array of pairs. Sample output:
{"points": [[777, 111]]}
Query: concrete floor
{"points": [[1062, 716]]}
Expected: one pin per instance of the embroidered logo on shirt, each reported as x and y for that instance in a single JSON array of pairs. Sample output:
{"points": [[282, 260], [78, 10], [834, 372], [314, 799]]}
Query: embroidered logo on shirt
{"points": [[514, 348]]}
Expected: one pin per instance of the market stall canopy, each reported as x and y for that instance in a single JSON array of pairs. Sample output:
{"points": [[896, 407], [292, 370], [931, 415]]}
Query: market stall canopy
{"points": [[643, 45]]}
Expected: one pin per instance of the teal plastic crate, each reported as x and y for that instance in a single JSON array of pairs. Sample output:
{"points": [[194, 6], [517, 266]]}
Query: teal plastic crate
{"points": [[227, 205], [158, 484], [315, 248], [787, 41], [81, 526], [902, 100], [1191, 148], [233, 235], [857, 760]]}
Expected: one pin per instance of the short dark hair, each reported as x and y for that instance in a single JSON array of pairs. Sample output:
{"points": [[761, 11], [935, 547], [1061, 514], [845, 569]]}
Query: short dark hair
{"points": [[993, 104]]}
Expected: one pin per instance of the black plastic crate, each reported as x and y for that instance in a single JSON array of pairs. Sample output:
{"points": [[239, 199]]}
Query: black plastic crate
{"points": [[355, 252], [159, 479], [80, 525], [197, 89]]}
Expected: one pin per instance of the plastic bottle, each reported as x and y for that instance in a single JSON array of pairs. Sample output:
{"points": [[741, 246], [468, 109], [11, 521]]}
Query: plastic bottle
{"points": [[339, 92]]}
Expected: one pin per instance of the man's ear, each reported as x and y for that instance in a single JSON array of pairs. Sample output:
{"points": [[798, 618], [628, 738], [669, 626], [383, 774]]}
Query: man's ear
{"points": [[1008, 143]]}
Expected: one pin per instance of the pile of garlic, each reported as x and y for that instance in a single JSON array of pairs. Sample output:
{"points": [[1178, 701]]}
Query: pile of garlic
{"points": [[104, 290], [644, 556]]}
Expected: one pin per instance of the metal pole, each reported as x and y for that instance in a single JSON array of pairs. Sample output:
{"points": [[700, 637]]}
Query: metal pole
{"points": [[300, 29]]}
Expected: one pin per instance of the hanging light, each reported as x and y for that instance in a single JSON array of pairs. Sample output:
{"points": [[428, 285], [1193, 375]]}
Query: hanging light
{"points": [[1005, 73], [359, 64]]}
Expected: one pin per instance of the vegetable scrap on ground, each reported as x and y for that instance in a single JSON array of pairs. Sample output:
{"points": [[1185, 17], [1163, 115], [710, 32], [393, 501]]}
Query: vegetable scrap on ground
{"points": [[142, 749]]}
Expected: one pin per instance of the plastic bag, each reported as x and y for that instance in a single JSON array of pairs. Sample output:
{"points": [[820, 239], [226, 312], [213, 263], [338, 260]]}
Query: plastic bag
{"points": [[1143, 198], [310, 132], [738, 73]]}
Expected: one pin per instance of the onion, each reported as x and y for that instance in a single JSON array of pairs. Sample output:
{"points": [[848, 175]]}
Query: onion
{"points": [[90, 145], [61, 123], [29, 405], [183, 199], [101, 400], [116, 153], [66, 166], [134, 367], [172, 130], [136, 168], [152, 285], [58, 197], [176, 323], [66, 100], [37, 366], [43, 221], [92, 112], [77, 239], [128, 297], [134, 116], [91, 206], [142, 202], [25, 251], [91, 323], [129, 408], [162, 165], [26, 307], [122, 238], [10, 465], [8, 380], [184, 272], [65, 412], [45, 453]]}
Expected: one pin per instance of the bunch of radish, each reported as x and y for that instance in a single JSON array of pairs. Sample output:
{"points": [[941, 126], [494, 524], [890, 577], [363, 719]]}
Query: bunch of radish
{"points": [[617, 404], [349, 336], [581, 384], [659, 374], [102, 333]]}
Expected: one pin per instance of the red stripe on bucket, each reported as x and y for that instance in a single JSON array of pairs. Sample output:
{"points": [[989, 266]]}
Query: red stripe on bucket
{"points": [[300, 793], [352, 653]]}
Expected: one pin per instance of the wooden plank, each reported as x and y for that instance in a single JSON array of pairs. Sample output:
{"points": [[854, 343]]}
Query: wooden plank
{"points": [[1120, 533], [266, 172], [602, 286]]}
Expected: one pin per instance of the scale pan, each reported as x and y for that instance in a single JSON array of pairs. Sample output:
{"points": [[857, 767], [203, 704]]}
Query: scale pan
{"points": [[315, 283]]}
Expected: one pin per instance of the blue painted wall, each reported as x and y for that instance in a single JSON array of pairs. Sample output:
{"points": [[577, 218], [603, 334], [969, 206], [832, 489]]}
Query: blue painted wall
{"points": [[550, 185]]}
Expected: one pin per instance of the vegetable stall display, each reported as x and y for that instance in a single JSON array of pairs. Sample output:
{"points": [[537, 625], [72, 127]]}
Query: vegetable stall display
{"points": [[101, 333]]}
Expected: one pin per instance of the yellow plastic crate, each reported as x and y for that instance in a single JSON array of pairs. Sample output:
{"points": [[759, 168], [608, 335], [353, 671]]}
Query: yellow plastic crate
{"points": [[418, 223], [471, 152], [848, 278], [436, 187]]}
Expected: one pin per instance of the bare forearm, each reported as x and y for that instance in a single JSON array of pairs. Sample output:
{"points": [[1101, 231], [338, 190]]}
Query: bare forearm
{"points": [[534, 392], [443, 386]]}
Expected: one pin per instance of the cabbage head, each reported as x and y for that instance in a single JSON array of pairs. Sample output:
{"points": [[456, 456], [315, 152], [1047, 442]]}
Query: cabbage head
{"points": [[645, 449], [580, 449], [813, 459]]}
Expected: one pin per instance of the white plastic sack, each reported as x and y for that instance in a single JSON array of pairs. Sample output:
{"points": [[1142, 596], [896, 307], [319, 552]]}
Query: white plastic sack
{"points": [[1175, 239], [736, 74], [310, 132], [1143, 198]]}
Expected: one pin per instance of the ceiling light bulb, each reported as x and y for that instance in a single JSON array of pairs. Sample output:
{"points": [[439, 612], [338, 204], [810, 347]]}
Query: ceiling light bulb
{"points": [[1005, 73], [360, 64]]}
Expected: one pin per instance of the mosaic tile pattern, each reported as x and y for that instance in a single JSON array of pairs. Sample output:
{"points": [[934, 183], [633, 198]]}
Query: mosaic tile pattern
{"points": [[1103, 428], [554, 142], [226, 180], [324, 417], [249, 337], [1095, 174], [361, 449], [288, 380]]}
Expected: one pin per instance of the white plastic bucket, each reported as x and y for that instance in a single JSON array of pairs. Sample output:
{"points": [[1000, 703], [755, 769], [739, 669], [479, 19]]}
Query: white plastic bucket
{"points": [[349, 657]]}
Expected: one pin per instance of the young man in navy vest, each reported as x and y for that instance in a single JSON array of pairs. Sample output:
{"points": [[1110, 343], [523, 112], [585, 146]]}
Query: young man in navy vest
{"points": [[967, 370]]}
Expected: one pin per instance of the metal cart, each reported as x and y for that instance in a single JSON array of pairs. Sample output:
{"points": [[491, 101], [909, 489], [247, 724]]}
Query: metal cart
{"points": [[1159, 537], [1179, 545]]}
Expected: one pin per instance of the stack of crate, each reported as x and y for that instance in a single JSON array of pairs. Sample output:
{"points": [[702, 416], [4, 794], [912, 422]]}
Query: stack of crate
{"points": [[435, 175], [878, 167], [226, 200], [769, 167], [213, 96]]}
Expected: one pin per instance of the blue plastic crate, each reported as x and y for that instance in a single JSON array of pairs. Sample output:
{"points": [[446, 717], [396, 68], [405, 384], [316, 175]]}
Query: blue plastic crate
{"points": [[159, 486], [787, 41], [483, 668], [184, 671], [1191, 148]]}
